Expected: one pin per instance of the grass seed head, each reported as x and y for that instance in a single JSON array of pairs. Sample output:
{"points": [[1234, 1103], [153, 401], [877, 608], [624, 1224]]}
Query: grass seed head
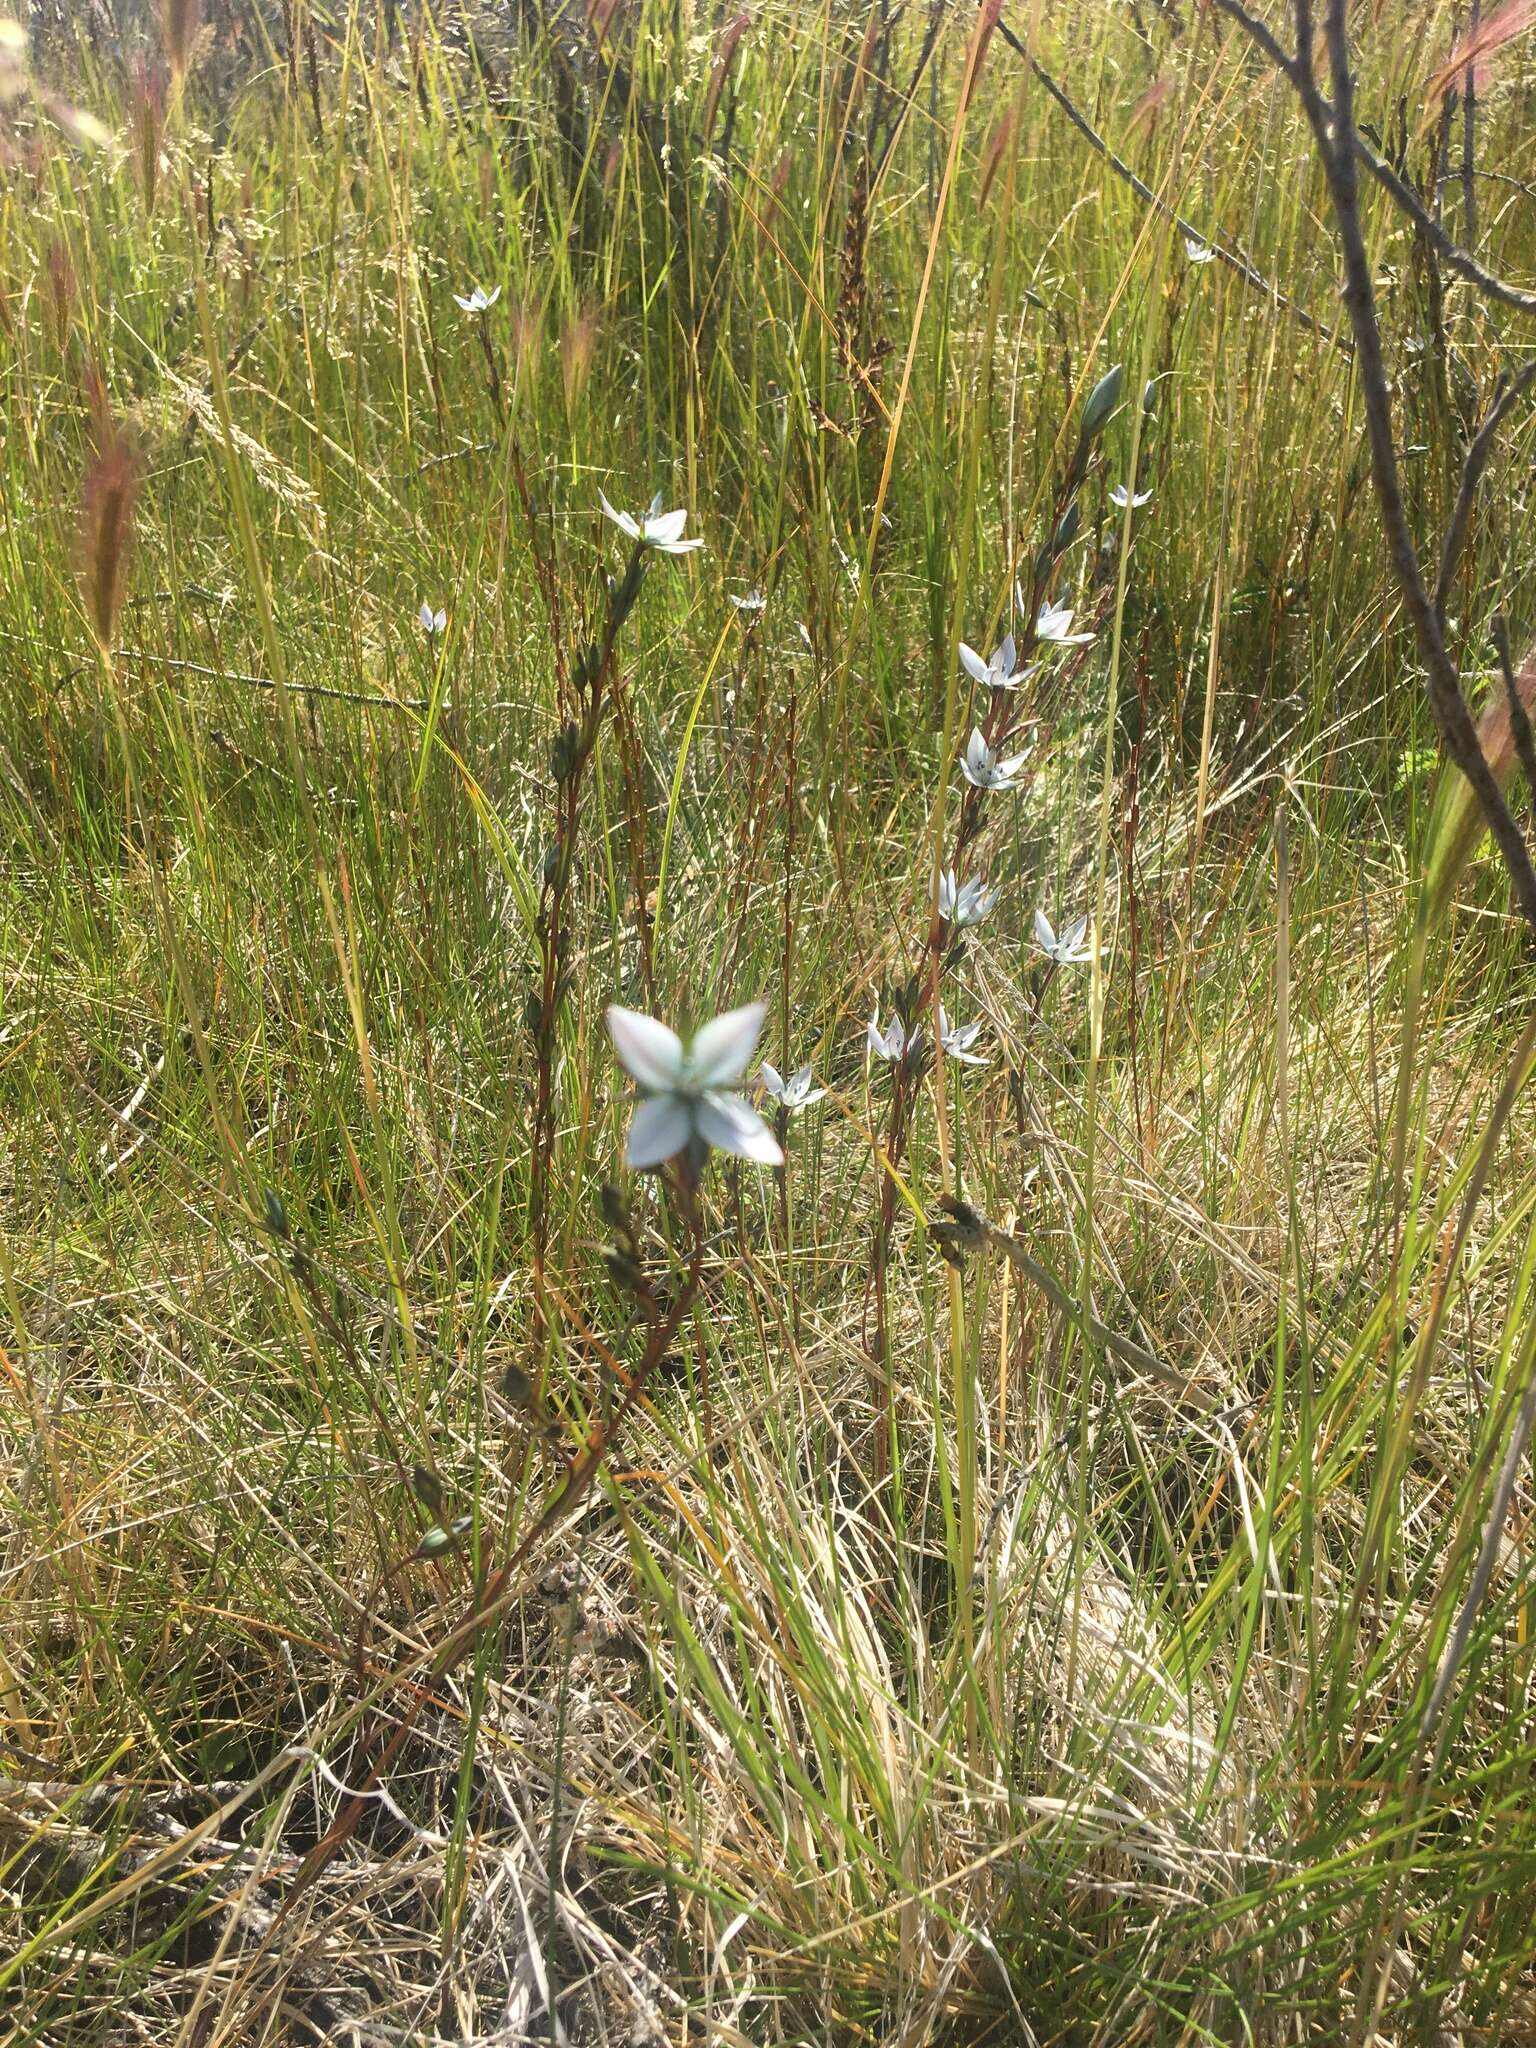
{"points": [[107, 504], [179, 23]]}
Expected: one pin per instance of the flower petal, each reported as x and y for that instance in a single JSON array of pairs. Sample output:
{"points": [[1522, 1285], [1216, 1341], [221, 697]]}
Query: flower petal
{"points": [[665, 527], [661, 1127], [621, 520], [648, 1049], [973, 664], [732, 1125], [772, 1080], [678, 547], [1045, 936], [1006, 655], [721, 1049], [1074, 933]]}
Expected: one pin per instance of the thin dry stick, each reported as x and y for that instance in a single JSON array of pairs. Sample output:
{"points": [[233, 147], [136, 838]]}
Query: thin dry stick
{"points": [[1334, 132], [1233, 259], [572, 752], [1333, 128], [1508, 392], [224, 675], [1445, 245]]}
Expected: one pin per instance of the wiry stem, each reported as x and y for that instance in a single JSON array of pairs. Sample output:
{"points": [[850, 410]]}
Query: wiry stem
{"points": [[1334, 131], [1247, 271], [1444, 244], [1001, 722], [571, 754], [1509, 391]]}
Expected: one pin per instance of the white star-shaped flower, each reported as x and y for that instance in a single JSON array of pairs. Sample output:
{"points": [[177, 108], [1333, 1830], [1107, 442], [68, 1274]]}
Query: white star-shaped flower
{"points": [[1119, 495], [654, 529], [998, 673], [957, 1040], [1055, 625], [964, 903], [895, 1042], [1066, 948], [432, 622], [479, 300], [796, 1092], [1197, 251], [688, 1089], [982, 768]]}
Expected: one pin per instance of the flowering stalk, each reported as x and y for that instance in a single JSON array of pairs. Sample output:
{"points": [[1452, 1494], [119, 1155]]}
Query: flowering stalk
{"points": [[908, 1066], [663, 1319], [570, 754], [592, 682], [479, 303], [986, 768]]}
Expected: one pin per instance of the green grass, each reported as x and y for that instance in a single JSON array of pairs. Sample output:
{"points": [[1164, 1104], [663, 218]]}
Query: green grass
{"points": [[1101, 1716]]}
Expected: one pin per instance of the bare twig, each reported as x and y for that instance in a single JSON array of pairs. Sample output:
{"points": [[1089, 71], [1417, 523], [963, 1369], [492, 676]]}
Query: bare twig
{"points": [[432, 462], [1334, 131], [1524, 186], [171, 663], [1445, 245], [593, 681], [1233, 259], [1482, 1575], [1509, 391], [253, 682]]}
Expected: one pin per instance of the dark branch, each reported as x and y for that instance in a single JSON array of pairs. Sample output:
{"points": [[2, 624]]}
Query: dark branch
{"points": [[1445, 246], [1481, 447], [1334, 131], [1233, 259], [228, 675]]}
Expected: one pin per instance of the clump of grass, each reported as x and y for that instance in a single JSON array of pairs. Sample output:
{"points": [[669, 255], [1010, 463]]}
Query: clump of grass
{"points": [[449, 1593]]}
